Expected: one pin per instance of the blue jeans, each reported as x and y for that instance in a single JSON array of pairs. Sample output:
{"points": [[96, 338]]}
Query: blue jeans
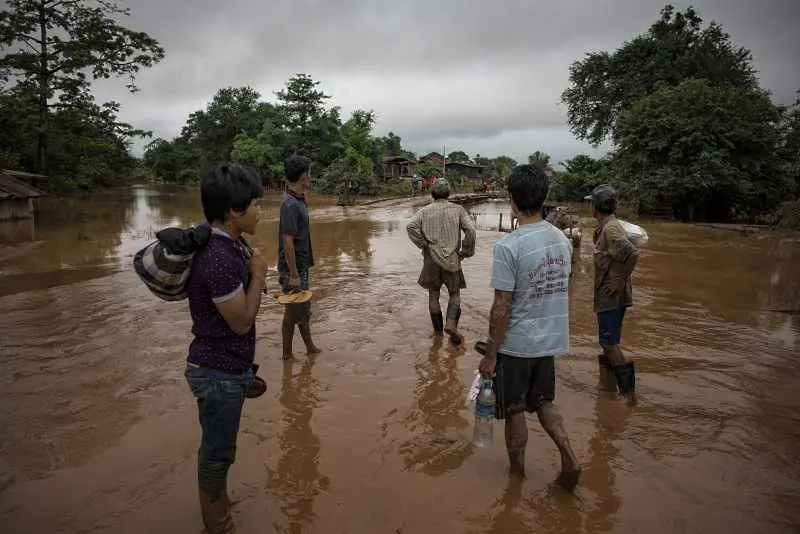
{"points": [[220, 398], [609, 326]]}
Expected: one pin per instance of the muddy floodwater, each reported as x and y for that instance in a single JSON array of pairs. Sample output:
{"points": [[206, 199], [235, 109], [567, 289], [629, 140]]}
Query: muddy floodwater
{"points": [[99, 432]]}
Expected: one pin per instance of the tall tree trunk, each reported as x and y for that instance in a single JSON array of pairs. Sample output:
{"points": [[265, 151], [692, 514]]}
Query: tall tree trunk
{"points": [[43, 92]]}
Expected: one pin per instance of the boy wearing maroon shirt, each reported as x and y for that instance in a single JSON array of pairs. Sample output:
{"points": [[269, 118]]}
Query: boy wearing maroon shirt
{"points": [[224, 292]]}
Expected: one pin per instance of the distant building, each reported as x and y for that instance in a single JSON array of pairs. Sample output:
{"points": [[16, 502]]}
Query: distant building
{"points": [[17, 191], [473, 171], [397, 167], [432, 157]]}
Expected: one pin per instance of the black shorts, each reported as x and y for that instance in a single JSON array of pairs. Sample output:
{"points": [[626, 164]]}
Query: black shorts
{"points": [[523, 384]]}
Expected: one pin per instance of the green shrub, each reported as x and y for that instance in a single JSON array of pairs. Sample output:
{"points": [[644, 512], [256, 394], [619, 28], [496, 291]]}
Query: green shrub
{"points": [[788, 215]]}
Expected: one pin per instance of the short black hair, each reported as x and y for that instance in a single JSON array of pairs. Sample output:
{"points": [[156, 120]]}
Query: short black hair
{"points": [[228, 187], [604, 198], [528, 186], [296, 166], [440, 190]]}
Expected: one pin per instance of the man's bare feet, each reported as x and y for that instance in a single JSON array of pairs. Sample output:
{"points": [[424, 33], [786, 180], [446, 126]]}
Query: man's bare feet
{"points": [[570, 474], [568, 479], [312, 350]]}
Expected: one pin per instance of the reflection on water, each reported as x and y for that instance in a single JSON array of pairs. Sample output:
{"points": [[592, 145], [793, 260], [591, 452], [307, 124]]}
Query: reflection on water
{"points": [[297, 480], [437, 442], [372, 436], [602, 465]]}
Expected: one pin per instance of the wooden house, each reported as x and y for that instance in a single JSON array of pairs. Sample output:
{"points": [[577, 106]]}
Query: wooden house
{"points": [[472, 171], [398, 167], [17, 192]]}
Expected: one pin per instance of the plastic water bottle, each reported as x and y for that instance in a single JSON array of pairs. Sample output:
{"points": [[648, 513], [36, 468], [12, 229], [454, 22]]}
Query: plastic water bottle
{"points": [[484, 416]]}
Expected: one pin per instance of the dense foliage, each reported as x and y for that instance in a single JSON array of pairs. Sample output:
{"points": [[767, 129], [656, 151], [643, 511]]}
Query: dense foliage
{"points": [[692, 131], [691, 128], [51, 124]]}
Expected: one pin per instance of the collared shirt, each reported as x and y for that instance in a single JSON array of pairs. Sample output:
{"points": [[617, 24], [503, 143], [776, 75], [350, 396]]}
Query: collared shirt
{"points": [[534, 263], [219, 272], [612, 249], [437, 227], [294, 221]]}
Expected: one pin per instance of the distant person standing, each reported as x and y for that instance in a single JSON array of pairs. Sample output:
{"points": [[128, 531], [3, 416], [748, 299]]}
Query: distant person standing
{"points": [[295, 254], [224, 291], [615, 259], [529, 323], [436, 230]]}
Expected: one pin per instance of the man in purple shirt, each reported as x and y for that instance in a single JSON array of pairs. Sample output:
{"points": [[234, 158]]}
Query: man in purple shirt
{"points": [[224, 292]]}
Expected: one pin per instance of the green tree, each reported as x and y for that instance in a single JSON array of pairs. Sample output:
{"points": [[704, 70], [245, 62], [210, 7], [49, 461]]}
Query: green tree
{"points": [[314, 131], [18, 124], [176, 161], [582, 174], [232, 111], [541, 160], [429, 170], [675, 48], [711, 152], [390, 145], [500, 169], [92, 144], [791, 145], [56, 45], [458, 156], [301, 100], [265, 151], [352, 173]]}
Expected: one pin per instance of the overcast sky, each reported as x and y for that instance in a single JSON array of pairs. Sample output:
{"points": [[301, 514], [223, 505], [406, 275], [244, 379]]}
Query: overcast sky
{"points": [[479, 76]]}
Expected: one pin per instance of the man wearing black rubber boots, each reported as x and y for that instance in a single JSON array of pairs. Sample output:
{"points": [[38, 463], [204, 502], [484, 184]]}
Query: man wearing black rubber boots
{"points": [[436, 230], [615, 258]]}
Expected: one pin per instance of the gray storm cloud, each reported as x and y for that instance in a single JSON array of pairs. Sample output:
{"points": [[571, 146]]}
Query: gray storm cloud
{"points": [[479, 76]]}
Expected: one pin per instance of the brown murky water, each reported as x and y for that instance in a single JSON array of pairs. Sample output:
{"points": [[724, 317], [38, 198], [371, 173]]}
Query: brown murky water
{"points": [[98, 430]]}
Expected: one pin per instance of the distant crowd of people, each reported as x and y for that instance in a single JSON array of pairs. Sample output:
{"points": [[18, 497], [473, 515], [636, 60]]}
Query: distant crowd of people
{"points": [[528, 324]]}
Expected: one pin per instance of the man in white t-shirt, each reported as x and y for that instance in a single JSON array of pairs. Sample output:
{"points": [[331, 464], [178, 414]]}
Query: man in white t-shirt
{"points": [[529, 322]]}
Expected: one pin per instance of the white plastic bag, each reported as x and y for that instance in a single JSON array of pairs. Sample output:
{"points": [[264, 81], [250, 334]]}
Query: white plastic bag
{"points": [[474, 389], [636, 234]]}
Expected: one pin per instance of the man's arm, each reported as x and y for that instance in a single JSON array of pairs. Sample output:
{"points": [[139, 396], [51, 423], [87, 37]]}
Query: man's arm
{"points": [[289, 227], [237, 307], [503, 281], [468, 227], [498, 321], [241, 309], [414, 229], [621, 250]]}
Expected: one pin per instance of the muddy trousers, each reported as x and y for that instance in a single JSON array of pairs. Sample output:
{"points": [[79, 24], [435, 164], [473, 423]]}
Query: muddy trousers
{"points": [[220, 398]]}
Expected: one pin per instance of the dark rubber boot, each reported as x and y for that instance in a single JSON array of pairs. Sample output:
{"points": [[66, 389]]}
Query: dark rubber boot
{"points": [[451, 326], [626, 379], [437, 322], [216, 514], [608, 381]]}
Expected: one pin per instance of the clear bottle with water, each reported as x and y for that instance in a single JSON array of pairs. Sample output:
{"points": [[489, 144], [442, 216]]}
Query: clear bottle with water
{"points": [[484, 415]]}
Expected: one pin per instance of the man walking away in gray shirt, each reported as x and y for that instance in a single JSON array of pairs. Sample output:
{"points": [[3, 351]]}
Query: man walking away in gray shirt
{"points": [[529, 323], [436, 230]]}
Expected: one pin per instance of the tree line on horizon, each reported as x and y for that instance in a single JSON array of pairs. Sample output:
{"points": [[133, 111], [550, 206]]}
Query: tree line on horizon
{"points": [[691, 129]]}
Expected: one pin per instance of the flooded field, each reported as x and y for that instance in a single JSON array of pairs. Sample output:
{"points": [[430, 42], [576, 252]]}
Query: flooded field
{"points": [[99, 433]]}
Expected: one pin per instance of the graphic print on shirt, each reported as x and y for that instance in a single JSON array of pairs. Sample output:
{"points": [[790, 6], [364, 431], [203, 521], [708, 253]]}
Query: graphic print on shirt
{"points": [[549, 277]]}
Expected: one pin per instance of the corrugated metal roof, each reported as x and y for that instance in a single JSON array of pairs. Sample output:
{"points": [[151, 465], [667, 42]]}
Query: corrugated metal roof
{"points": [[23, 175], [11, 187]]}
